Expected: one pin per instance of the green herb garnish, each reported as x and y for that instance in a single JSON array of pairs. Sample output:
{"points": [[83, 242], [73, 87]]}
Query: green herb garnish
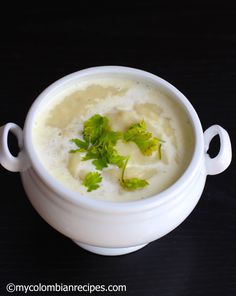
{"points": [[159, 152], [99, 143], [94, 128], [142, 138], [82, 145], [103, 151], [132, 183], [100, 164], [92, 180]]}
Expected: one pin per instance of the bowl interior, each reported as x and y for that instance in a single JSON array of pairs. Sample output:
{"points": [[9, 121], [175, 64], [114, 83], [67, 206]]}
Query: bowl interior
{"points": [[71, 82]]}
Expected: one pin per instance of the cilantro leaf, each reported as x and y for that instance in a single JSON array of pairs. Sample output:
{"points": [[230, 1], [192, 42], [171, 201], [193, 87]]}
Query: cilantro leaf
{"points": [[108, 138], [94, 127], [76, 150], [132, 183], [100, 164], [92, 153], [142, 138], [114, 158], [83, 146], [92, 180]]}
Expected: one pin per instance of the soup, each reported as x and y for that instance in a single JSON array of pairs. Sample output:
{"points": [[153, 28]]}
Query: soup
{"points": [[153, 146]]}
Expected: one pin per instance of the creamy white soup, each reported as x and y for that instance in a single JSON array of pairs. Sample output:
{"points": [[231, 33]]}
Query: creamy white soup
{"points": [[125, 103]]}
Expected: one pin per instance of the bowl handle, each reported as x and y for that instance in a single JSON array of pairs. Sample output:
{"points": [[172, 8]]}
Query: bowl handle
{"points": [[8, 161], [219, 163]]}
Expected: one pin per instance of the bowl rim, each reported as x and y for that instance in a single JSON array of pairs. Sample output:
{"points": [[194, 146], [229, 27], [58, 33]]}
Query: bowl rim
{"points": [[111, 206]]}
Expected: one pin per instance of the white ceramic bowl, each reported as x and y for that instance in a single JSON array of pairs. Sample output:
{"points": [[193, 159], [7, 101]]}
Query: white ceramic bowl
{"points": [[110, 228]]}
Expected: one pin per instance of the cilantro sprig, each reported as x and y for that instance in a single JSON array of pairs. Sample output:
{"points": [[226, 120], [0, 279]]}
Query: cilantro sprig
{"points": [[102, 143], [138, 134], [92, 180], [99, 143], [132, 183]]}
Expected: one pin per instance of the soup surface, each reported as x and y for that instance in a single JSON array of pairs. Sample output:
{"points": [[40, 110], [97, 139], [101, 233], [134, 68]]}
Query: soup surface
{"points": [[125, 103]]}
